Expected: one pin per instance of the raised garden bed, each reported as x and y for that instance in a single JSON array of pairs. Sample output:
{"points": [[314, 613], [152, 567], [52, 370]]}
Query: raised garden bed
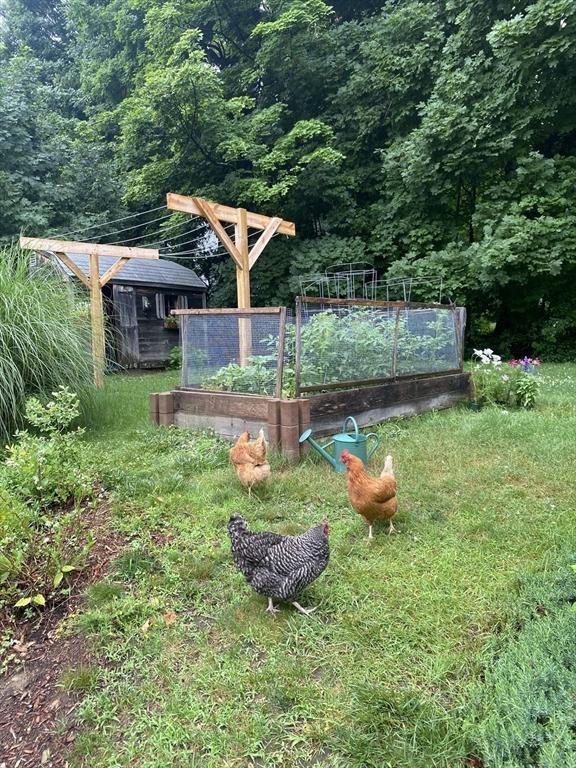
{"points": [[283, 420]]}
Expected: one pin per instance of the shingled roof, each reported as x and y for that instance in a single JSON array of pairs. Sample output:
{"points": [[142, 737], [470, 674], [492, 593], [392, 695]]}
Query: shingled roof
{"points": [[159, 273]]}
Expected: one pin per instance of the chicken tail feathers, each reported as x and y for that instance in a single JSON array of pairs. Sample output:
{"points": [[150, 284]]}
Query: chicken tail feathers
{"points": [[388, 467]]}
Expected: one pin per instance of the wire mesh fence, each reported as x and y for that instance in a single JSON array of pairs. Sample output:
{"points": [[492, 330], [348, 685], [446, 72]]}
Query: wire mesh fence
{"points": [[229, 350], [329, 344], [343, 342]]}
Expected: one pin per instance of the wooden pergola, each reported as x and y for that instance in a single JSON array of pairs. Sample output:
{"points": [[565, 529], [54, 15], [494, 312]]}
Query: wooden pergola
{"points": [[215, 214], [93, 281], [243, 256]]}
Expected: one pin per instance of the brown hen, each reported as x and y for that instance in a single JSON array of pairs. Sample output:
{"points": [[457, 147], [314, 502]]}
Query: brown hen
{"points": [[372, 497], [250, 461]]}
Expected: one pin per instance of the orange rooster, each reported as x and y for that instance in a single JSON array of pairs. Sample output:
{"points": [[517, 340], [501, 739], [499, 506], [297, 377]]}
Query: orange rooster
{"points": [[249, 460], [372, 497]]}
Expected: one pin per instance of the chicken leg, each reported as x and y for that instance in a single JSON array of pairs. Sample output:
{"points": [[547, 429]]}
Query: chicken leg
{"points": [[271, 608], [305, 611]]}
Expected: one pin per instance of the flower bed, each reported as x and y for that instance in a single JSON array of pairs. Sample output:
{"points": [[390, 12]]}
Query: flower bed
{"points": [[512, 385]]}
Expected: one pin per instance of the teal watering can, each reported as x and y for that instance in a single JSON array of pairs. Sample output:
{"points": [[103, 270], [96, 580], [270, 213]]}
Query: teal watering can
{"points": [[356, 443]]}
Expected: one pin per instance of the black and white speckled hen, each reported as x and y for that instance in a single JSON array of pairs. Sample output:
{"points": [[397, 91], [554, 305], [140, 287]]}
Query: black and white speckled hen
{"points": [[279, 567]]}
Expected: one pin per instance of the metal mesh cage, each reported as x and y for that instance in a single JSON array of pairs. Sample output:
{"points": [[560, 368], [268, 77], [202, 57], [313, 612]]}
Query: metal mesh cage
{"points": [[230, 350], [427, 341], [344, 342]]}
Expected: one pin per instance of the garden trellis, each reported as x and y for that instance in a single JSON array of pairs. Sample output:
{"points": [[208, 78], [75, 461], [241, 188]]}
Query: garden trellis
{"points": [[213, 213]]}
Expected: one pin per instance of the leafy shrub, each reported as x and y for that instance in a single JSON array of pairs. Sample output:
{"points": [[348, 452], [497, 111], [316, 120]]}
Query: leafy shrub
{"points": [[44, 340], [46, 468], [42, 540], [175, 358]]}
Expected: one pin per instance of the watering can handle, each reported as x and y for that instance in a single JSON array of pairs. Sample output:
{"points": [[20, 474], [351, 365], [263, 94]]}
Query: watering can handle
{"points": [[376, 444], [353, 420]]}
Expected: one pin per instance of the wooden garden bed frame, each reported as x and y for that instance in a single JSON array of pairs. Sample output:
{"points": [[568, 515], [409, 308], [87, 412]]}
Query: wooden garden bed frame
{"points": [[283, 421], [325, 405]]}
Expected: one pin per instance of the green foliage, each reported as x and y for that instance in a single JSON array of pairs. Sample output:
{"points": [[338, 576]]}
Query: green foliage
{"points": [[48, 469], [354, 345], [523, 715], [423, 137], [256, 377], [175, 358], [42, 540], [44, 341]]}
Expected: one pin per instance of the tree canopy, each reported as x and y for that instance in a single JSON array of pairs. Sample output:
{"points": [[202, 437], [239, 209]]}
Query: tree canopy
{"points": [[425, 137]]}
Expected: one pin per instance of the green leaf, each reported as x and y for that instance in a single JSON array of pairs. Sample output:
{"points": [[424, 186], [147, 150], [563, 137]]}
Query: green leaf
{"points": [[68, 568], [39, 599], [58, 578], [22, 602]]}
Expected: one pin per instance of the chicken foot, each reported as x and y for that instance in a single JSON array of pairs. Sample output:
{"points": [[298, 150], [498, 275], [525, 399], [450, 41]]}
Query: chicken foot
{"points": [[305, 611], [271, 608]]}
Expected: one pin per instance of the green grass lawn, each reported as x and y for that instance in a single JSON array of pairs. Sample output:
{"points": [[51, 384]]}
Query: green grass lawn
{"points": [[388, 671]]}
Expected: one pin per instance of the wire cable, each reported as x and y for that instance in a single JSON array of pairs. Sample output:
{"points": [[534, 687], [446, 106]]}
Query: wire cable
{"points": [[112, 221], [157, 232], [138, 224]]}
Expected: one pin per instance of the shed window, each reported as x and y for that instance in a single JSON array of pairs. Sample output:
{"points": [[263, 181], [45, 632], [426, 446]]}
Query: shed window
{"points": [[166, 302]]}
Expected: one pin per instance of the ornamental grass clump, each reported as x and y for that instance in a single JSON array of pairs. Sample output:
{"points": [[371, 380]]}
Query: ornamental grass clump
{"points": [[44, 339], [511, 385]]}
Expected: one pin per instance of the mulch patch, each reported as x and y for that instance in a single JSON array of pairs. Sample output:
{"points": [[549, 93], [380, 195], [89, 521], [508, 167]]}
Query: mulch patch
{"points": [[37, 720]]}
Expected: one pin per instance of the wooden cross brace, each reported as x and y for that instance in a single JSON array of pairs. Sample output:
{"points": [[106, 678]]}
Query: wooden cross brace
{"points": [[243, 257], [93, 281]]}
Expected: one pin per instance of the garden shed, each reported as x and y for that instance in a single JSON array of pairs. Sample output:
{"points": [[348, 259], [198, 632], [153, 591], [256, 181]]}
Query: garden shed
{"points": [[138, 302]]}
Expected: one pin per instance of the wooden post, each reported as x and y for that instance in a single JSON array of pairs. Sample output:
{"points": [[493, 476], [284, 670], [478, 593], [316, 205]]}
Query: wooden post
{"points": [[281, 347], [97, 317], [243, 285], [298, 360], [395, 343]]}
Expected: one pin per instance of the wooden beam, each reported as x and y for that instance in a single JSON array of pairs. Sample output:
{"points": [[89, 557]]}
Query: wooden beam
{"points": [[75, 269], [99, 249], [97, 317], [264, 239], [243, 273], [116, 267], [225, 213], [229, 311], [206, 211]]}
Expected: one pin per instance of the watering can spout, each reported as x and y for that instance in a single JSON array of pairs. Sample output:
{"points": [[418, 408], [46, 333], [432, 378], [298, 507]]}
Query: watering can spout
{"points": [[306, 437], [355, 443]]}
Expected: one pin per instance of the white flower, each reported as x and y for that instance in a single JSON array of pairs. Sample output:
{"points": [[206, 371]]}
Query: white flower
{"points": [[488, 352], [505, 378], [496, 358]]}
